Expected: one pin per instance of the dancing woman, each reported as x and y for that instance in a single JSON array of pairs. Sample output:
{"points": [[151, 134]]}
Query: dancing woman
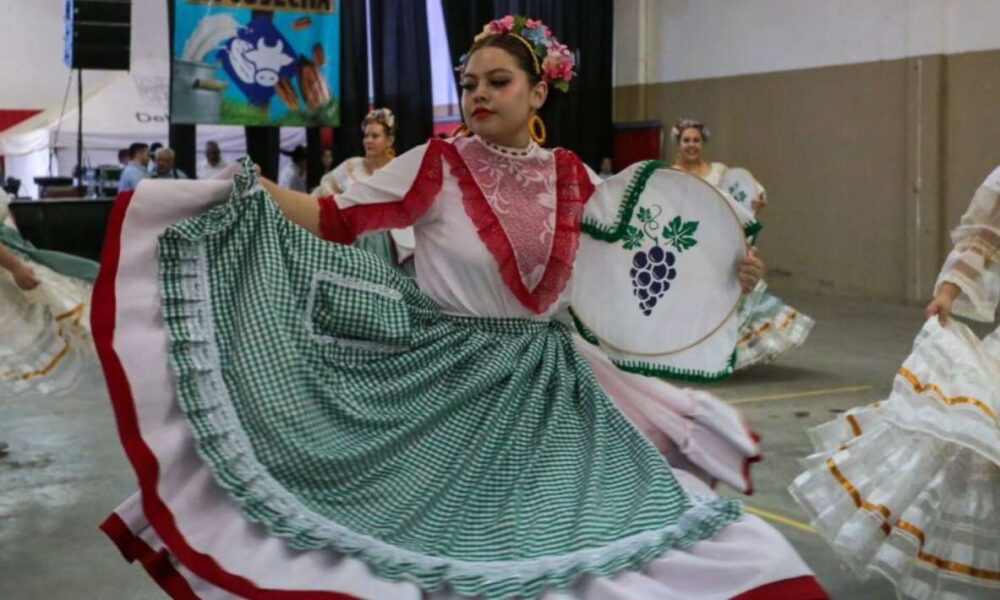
{"points": [[768, 327], [379, 128], [910, 487], [45, 341], [333, 429]]}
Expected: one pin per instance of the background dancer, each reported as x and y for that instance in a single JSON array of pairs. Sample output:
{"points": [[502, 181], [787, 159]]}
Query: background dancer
{"points": [[45, 341], [379, 129], [909, 487], [768, 327]]}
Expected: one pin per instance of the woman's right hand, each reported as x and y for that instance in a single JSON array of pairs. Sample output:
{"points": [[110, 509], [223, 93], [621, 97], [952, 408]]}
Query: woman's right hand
{"points": [[24, 277], [940, 306]]}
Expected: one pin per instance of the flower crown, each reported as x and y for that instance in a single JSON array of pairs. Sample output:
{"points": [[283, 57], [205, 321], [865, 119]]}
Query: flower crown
{"points": [[380, 115], [553, 60], [680, 126]]}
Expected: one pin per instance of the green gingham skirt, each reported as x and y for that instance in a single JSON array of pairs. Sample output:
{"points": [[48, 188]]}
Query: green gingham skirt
{"points": [[382, 245], [341, 409]]}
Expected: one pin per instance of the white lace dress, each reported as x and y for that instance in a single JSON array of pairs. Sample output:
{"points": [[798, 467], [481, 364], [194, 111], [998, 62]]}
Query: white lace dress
{"points": [[910, 487], [45, 341]]}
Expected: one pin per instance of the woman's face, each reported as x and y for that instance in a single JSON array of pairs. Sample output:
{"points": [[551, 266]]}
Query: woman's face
{"points": [[691, 145], [498, 100], [377, 143]]}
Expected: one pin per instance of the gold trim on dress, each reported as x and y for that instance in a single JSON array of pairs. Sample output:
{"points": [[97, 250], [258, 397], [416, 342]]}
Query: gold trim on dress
{"points": [[76, 311], [44, 370], [910, 528], [766, 326], [920, 388], [882, 511]]}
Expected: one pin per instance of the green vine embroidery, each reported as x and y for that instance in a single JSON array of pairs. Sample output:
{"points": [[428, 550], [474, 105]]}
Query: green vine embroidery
{"points": [[681, 234]]}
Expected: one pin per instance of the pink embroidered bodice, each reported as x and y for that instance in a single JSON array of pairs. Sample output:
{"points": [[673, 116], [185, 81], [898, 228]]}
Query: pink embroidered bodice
{"points": [[496, 229]]}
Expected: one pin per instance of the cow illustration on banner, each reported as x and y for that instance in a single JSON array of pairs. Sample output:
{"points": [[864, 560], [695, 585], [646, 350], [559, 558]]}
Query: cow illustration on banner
{"points": [[272, 64]]}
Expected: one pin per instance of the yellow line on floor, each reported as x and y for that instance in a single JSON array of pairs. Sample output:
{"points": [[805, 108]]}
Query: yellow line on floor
{"points": [[806, 394], [770, 516]]}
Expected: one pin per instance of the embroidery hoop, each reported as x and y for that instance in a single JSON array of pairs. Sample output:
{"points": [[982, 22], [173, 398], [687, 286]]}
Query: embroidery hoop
{"points": [[667, 350]]}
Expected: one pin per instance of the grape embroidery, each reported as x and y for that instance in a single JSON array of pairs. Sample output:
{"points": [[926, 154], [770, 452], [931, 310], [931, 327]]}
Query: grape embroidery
{"points": [[653, 269]]}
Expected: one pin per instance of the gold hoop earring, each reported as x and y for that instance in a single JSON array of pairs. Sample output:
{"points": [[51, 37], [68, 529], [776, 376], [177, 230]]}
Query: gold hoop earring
{"points": [[461, 131], [536, 129], [391, 153]]}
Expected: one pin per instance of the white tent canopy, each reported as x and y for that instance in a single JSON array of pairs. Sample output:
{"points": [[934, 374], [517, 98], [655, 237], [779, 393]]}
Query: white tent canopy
{"points": [[124, 108]]}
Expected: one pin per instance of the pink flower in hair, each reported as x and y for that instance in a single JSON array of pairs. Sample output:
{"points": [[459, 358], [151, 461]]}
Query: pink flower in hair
{"points": [[504, 25], [557, 62]]}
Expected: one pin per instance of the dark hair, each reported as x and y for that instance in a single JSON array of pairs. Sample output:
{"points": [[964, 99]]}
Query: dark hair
{"points": [[297, 154], [136, 148], [524, 58], [155, 146]]}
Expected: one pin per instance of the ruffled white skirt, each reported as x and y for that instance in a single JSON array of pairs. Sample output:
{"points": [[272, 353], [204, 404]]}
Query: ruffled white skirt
{"points": [[910, 487], [768, 328], [45, 341]]}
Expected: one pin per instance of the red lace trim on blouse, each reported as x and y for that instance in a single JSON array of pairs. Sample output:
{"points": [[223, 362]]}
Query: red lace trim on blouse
{"points": [[573, 190]]}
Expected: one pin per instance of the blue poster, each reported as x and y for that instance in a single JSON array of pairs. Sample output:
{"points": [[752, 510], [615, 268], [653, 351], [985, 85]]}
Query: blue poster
{"points": [[256, 62]]}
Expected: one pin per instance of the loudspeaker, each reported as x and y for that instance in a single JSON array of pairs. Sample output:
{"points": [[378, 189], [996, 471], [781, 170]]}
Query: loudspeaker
{"points": [[98, 34]]}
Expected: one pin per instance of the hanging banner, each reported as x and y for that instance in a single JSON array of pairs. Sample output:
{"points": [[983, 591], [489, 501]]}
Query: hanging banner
{"points": [[256, 62]]}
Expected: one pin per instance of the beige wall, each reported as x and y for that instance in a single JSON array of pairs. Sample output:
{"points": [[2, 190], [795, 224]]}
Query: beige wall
{"points": [[867, 165]]}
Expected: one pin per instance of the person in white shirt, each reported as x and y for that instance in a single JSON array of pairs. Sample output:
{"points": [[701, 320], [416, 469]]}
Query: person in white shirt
{"points": [[294, 175], [213, 162]]}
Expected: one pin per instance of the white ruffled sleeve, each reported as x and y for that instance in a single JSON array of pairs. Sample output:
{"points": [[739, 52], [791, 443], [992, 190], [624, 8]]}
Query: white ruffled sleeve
{"points": [[973, 264]]}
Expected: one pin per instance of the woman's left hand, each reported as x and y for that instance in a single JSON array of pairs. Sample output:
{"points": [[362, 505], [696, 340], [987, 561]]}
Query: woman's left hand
{"points": [[751, 271]]}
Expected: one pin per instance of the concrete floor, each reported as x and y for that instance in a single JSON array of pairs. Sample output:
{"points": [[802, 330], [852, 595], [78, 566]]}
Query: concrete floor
{"points": [[66, 470]]}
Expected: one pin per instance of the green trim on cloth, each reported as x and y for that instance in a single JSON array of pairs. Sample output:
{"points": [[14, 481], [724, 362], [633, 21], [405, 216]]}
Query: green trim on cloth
{"points": [[633, 192], [60, 262], [616, 232], [654, 370], [752, 231], [340, 409]]}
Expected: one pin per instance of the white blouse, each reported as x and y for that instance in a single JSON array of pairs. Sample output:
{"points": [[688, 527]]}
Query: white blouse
{"points": [[497, 228], [973, 264], [342, 177]]}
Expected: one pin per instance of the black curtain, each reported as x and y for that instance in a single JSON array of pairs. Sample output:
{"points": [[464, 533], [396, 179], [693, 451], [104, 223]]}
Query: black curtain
{"points": [[353, 81], [581, 119], [402, 68], [263, 147], [462, 21], [182, 142], [314, 158]]}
